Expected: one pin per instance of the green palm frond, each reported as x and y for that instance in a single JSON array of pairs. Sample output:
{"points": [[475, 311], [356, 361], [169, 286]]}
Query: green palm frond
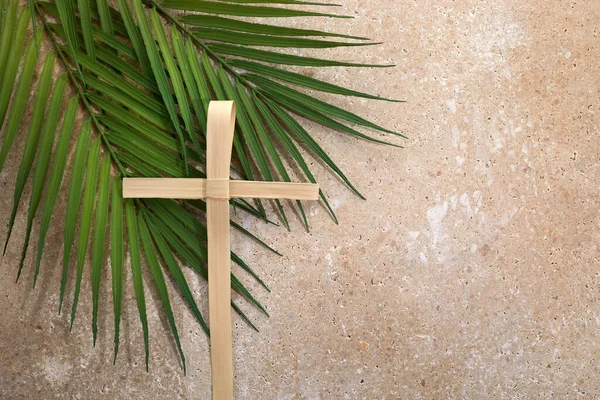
{"points": [[142, 75]]}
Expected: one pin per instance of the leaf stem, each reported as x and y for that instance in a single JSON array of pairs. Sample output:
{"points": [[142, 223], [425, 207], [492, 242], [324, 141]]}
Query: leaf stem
{"points": [[81, 92]]}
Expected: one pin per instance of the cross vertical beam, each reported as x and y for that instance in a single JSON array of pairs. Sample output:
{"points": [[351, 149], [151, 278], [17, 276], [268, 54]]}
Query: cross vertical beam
{"points": [[219, 139]]}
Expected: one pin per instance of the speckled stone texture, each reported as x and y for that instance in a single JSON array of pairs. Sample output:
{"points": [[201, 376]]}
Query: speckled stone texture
{"points": [[472, 271]]}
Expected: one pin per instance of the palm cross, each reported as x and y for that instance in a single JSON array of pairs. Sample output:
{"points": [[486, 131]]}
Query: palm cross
{"points": [[217, 189]]}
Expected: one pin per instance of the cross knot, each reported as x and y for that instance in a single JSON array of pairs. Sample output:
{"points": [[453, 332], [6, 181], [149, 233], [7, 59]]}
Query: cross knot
{"points": [[217, 188]]}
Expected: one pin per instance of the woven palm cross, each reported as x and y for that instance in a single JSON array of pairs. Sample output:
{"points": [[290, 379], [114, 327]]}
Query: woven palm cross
{"points": [[217, 189]]}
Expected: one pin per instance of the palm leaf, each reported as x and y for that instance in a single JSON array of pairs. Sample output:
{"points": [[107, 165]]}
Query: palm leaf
{"points": [[280, 58], [136, 270], [176, 80], [298, 2], [298, 100], [177, 274], [199, 103], [31, 144], [159, 74], [250, 39], [66, 13], [9, 20], [87, 27], [301, 80], [43, 160], [146, 95], [9, 73], [304, 137], [229, 24], [159, 280], [56, 176], [116, 255], [284, 138], [105, 18], [211, 7], [99, 240], [135, 36], [87, 211], [77, 176]]}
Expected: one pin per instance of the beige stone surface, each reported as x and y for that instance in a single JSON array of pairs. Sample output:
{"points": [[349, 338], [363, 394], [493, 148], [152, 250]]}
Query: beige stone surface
{"points": [[472, 271]]}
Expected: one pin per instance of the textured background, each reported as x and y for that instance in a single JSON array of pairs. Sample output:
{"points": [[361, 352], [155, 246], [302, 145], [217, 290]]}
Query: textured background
{"points": [[471, 272]]}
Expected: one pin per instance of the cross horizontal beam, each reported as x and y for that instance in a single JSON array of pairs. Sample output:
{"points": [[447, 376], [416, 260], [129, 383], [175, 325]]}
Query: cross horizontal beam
{"points": [[196, 188]]}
